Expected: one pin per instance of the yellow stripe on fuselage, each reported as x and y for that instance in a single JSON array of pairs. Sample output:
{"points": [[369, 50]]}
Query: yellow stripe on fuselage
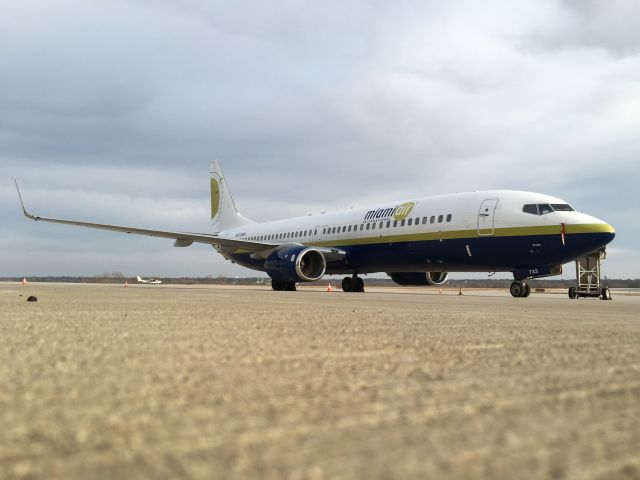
{"points": [[470, 233], [462, 234]]}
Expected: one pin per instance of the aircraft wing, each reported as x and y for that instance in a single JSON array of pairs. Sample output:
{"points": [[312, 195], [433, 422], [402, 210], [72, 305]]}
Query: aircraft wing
{"points": [[182, 239]]}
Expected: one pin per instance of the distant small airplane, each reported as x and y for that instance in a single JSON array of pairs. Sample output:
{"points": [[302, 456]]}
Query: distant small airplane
{"points": [[152, 281]]}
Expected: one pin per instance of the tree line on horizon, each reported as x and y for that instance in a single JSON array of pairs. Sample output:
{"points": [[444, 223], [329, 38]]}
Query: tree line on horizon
{"points": [[118, 277]]}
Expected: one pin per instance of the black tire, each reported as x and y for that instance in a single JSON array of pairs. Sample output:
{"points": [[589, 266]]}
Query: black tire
{"points": [[605, 293], [516, 289], [359, 285], [527, 290], [347, 284], [281, 286], [572, 293]]}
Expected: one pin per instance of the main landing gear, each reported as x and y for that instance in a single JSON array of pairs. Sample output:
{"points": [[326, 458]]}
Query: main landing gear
{"points": [[352, 284], [283, 286], [520, 289]]}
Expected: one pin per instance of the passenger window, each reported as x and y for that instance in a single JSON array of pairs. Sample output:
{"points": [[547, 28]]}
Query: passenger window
{"points": [[355, 227], [349, 228], [530, 208], [368, 226], [410, 221], [433, 219], [424, 220], [402, 223], [395, 223], [440, 217], [448, 217], [381, 225], [388, 223], [373, 226], [361, 226], [344, 229]]}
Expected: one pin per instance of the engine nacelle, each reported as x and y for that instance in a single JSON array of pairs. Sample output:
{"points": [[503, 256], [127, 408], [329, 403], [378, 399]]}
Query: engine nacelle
{"points": [[437, 278], [295, 264], [419, 278]]}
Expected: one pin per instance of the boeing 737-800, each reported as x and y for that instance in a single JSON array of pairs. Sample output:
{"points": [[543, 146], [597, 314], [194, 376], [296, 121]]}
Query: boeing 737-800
{"points": [[415, 241]]}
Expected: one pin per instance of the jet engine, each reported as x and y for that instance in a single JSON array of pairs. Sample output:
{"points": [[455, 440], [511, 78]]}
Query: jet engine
{"points": [[295, 264], [419, 278]]}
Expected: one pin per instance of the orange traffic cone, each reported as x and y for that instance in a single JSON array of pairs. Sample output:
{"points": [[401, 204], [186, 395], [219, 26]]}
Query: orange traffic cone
{"points": [[23, 282], [329, 289]]}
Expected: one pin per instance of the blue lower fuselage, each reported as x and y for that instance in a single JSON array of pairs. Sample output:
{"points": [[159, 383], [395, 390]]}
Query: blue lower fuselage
{"points": [[474, 254]]}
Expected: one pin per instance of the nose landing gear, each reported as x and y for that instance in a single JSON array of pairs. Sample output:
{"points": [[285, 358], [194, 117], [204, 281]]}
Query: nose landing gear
{"points": [[520, 289]]}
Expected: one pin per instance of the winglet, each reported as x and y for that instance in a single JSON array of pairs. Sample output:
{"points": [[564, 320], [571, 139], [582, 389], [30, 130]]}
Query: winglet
{"points": [[24, 210]]}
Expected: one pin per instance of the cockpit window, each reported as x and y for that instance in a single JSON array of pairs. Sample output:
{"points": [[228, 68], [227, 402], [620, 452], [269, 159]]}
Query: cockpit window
{"points": [[562, 207], [544, 208]]}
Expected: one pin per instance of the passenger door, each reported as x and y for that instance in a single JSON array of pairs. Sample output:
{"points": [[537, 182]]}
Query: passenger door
{"points": [[486, 217], [317, 234]]}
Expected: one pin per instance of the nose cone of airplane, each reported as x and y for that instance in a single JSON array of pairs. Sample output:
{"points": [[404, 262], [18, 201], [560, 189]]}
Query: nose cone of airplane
{"points": [[604, 232], [593, 235]]}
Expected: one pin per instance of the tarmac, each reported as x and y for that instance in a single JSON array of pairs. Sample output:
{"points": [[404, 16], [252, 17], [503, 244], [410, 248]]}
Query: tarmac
{"points": [[102, 381]]}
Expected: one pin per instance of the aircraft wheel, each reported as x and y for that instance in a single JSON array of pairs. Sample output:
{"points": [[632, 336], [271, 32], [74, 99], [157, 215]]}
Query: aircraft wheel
{"points": [[572, 293], [347, 284], [283, 286], [359, 285], [516, 289], [527, 290], [605, 293]]}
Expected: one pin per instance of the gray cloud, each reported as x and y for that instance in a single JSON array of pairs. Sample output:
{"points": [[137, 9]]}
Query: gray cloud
{"points": [[112, 111]]}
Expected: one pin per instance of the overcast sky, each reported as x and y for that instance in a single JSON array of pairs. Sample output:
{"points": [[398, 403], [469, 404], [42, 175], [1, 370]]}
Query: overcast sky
{"points": [[111, 111]]}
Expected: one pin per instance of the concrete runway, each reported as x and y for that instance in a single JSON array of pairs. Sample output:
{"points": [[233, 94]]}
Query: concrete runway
{"points": [[100, 381]]}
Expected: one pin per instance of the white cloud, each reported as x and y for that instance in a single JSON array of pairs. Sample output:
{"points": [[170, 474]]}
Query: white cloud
{"points": [[113, 110]]}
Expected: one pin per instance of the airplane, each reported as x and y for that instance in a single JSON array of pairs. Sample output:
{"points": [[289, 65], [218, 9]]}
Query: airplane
{"points": [[151, 281], [414, 241]]}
